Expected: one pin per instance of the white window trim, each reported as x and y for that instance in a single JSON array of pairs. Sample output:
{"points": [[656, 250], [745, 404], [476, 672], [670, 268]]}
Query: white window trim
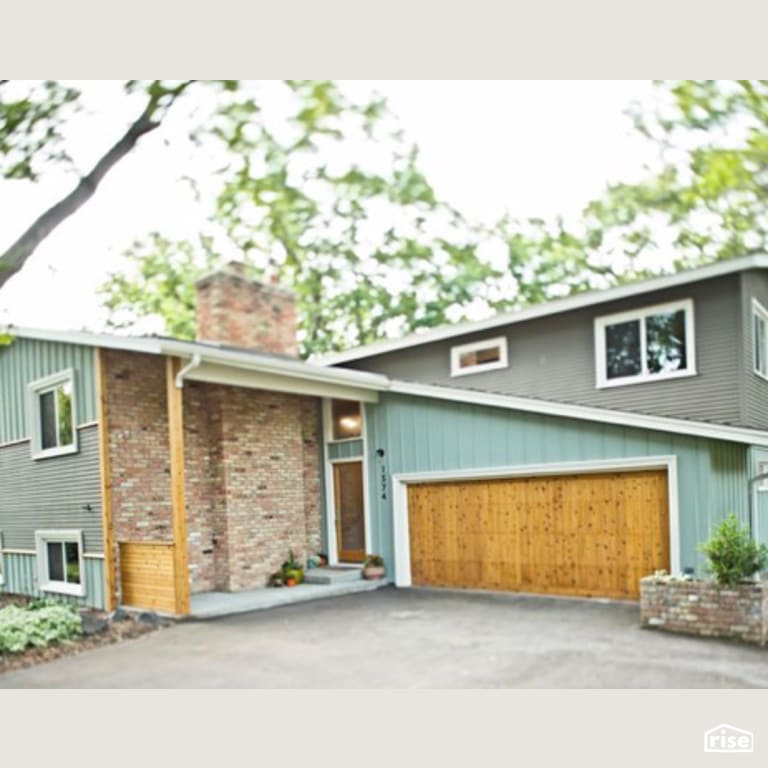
{"points": [[758, 310], [45, 583], [462, 349], [35, 389], [2, 561], [640, 314]]}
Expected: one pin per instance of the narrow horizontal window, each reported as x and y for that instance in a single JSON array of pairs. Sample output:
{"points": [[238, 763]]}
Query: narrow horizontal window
{"points": [[487, 355], [645, 345]]}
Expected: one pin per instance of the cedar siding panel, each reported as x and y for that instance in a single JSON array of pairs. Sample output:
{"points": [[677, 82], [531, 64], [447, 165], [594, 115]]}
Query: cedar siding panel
{"points": [[51, 493], [754, 284], [553, 358]]}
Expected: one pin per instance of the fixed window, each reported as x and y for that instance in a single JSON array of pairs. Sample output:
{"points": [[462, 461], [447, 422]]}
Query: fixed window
{"points": [[52, 415], [60, 561], [346, 420], [760, 338], [643, 345], [486, 355]]}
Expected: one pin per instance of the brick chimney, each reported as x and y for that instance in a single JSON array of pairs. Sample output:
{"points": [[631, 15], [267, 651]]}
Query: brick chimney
{"points": [[233, 309]]}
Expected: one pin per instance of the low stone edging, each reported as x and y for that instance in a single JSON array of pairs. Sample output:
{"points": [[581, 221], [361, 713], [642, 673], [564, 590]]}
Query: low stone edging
{"points": [[703, 607]]}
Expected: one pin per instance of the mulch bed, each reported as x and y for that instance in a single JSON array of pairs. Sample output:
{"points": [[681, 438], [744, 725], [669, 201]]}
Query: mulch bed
{"points": [[116, 632]]}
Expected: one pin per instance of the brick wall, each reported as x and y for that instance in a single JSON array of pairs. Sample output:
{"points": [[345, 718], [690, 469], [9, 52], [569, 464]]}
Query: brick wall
{"points": [[138, 447], [233, 309], [252, 472], [704, 608], [253, 483]]}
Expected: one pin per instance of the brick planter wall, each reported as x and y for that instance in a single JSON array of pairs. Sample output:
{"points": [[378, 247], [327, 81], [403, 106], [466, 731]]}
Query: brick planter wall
{"points": [[704, 608]]}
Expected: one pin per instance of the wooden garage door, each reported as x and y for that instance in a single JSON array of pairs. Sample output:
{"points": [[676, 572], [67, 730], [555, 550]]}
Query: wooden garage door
{"points": [[590, 535]]}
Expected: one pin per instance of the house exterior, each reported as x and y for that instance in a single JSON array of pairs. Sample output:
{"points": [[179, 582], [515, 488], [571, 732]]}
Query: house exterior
{"points": [[570, 448]]}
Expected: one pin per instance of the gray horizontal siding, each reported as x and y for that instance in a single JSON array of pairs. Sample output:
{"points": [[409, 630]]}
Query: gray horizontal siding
{"points": [[51, 493], [554, 358], [755, 405]]}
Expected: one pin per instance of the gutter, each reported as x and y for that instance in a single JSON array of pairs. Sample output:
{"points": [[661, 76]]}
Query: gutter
{"points": [[195, 362]]}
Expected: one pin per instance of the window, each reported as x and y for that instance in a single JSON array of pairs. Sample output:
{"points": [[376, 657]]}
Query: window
{"points": [[347, 419], [60, 561], [760, 338], [762, 469], [52, 415], [645, 345], [487, 355]]}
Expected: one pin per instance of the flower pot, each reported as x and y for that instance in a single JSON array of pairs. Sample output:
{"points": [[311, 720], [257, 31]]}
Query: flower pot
{"points": [[290, 582], [374, 572]]}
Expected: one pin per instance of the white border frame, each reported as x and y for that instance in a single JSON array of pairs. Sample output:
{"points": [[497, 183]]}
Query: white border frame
{"points": [[44, 583], [401, 481], [603, 321], [330, 501], [34, 390], [758, 310], [460, 349]]}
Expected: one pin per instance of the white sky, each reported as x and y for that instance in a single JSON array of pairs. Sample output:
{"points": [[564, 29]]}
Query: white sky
{"points": [[533, 148]]}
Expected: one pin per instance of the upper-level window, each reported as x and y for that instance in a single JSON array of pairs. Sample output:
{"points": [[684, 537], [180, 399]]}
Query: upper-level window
{"points": [[52, 415], [649, 344], [760, 338], [486, 355], [346, 419]]}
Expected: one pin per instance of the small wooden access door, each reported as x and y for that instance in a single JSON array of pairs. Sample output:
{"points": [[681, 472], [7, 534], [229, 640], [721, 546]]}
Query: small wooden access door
{"points": [[349, 503]]}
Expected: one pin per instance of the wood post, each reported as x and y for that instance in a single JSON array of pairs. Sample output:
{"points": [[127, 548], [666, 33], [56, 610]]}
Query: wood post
{"points": [[105, 474], [176, 445]]}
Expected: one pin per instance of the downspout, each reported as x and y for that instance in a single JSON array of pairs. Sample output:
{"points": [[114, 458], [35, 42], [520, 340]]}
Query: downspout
{"points": [[195, 362]]}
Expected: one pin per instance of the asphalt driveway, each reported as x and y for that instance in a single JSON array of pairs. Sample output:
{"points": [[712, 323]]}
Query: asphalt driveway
{"points": [[413, 639]]}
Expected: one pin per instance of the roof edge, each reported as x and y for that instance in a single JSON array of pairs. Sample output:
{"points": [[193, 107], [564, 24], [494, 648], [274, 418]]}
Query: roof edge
{"points": [[584, 413], [579, 301]]}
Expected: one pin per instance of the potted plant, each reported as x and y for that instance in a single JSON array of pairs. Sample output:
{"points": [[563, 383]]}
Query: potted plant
{"points": [[276, 579], [292, 571], [373, 567]]}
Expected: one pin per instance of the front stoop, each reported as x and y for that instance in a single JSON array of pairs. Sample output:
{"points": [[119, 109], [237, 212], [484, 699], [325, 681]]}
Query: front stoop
{"points": [[209, 605], [329, 574]]}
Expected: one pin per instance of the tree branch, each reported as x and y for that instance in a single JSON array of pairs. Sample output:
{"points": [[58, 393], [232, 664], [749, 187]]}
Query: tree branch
{"points": [[15, 257]]}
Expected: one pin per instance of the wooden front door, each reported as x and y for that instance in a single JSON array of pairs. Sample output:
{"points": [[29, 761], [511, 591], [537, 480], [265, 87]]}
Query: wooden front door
{"points": [[349, 501], [588, 535]]}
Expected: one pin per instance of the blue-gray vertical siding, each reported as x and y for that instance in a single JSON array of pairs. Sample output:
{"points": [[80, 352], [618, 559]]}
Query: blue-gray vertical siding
{"points": [[25, 361], [351, 449], [21, 578], [419, 434]]}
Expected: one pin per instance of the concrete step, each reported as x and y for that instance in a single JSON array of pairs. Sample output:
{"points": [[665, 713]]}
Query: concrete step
{"points": [[332, 575]]}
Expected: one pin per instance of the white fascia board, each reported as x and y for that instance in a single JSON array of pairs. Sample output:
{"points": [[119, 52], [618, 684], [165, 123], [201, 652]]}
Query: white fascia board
{"points": [[585, 413], [579, 301], [297, 369], [230, 375]]}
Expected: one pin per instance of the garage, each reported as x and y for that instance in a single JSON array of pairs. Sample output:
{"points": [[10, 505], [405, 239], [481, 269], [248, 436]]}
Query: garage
{"points": [[590, 535]]}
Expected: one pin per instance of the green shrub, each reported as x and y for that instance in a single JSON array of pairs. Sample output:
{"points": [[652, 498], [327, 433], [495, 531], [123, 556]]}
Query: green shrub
{"points": [[37, 625], [733, 555]]}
